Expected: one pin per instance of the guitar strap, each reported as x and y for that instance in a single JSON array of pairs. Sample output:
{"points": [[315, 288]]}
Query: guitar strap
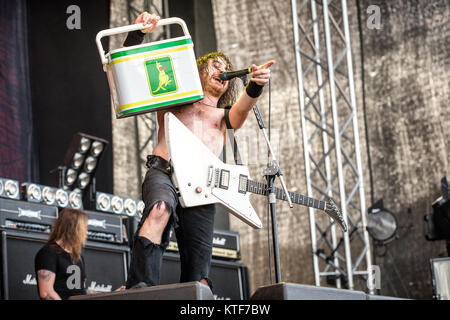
{"points": [[230, 132]]}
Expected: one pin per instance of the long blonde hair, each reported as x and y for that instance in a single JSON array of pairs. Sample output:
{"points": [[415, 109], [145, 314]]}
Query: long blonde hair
{"points": [[69, 229]]}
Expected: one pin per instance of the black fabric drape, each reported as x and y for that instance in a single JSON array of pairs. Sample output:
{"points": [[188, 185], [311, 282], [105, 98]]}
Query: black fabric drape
{"points": [[18, 152]]}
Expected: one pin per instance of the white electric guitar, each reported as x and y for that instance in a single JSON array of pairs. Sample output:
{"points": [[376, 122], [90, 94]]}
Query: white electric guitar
{"points": [[201, 178]]}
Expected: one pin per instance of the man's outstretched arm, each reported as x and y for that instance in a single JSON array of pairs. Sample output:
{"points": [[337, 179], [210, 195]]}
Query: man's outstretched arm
{"points": [[259, 78]]}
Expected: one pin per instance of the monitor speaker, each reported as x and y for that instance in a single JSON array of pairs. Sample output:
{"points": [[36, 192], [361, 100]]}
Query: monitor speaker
{"points": [[106, 265], [293, 291]]}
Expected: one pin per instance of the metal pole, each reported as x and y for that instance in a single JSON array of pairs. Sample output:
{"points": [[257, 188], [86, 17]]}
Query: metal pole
{"points": [[323, 117], [312, 221], [273, 211], [337, 138], [357, 143]]}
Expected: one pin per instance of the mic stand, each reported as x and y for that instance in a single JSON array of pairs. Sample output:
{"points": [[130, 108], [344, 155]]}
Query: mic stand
{"points": [[273, 169]]}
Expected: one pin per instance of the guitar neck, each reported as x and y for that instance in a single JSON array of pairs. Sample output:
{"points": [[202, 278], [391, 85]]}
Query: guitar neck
{"points": [[262, 189]]}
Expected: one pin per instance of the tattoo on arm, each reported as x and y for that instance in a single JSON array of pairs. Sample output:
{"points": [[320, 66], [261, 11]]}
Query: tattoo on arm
{"points": [[45, 275]]}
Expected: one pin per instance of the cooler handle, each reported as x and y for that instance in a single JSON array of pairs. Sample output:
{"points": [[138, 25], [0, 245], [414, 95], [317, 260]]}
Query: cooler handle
{"points": [[133, 27]]}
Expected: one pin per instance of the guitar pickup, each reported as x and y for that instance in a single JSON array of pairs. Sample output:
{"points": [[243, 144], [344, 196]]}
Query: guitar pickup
{"points": [[224, 179], [210, 175], [213, 177]]}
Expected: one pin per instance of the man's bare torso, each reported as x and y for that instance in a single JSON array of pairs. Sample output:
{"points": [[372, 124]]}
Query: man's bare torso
{"points": [[206, 122]]}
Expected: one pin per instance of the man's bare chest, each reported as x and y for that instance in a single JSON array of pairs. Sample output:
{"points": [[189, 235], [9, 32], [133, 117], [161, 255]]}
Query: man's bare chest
{"points": [[207, 123]]}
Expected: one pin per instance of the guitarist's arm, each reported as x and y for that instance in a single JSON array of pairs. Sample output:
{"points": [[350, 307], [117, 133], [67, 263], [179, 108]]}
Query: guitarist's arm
{"points": [[240, 109]]}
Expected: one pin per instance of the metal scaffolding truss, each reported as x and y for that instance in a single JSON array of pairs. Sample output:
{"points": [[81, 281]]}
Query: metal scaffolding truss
{"points": [[330, 140]]}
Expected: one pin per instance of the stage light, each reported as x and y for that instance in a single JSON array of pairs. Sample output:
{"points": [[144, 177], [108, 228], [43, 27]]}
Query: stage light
{"points": [[103, 202], [90, 164], [85, 143], [140, 208], [382, 224], [62, 198], [33, 192], [81, 161], [9, 188], [118, 205], [83, 180], [77, 161], [71, 176], [75, 200], [48, 195], [109, 203], [97, 148], [130, 207]]}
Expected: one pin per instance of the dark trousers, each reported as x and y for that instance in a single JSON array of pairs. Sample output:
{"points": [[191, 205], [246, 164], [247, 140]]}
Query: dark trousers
{"points": [[193, 229]]}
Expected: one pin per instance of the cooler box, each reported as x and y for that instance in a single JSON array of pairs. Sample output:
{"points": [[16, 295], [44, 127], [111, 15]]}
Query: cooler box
{"points": [[151, 76]]}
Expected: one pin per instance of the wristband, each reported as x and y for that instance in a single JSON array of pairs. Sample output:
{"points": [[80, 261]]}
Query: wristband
{"points": [[254, 90], [134, 38]]}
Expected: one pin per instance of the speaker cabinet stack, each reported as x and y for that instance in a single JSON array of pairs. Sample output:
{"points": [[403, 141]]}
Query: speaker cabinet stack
{"points": [[105, 265], [25, 228]]}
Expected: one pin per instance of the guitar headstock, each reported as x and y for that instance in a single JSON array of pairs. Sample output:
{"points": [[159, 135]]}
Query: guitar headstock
{"points": [[332, 210]]}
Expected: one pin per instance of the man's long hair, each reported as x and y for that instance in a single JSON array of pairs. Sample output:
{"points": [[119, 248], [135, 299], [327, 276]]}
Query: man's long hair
{"points": [[69, 229], [230, 96]]}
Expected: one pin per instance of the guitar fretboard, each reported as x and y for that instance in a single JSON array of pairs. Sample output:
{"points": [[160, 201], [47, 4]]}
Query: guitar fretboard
{"points": [[261, 188]]}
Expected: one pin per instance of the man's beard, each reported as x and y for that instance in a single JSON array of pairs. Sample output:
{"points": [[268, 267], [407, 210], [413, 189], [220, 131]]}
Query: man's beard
{"points": [[208, 85]]}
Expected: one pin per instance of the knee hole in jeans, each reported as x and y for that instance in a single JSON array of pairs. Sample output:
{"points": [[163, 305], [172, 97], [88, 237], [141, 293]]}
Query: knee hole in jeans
{"points": [[159, 210]]}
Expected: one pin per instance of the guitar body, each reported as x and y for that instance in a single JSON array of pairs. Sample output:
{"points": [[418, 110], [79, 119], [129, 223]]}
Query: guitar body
{"points": [[201, 178]]}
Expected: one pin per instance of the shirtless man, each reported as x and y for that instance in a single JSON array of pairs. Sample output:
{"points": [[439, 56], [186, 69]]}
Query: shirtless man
{"points": [[193, 226]]}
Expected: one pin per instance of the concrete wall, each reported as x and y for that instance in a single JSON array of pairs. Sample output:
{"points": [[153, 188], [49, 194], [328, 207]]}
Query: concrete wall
{"points": [[407, 67]]}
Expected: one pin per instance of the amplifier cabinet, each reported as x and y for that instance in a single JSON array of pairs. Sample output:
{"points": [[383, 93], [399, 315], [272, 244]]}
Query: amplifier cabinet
{"points": [[106, 265], [229, 279], [27, 216], [226, 244], [104, 227]]}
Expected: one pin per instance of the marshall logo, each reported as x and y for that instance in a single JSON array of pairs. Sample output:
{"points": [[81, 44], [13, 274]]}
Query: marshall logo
{"points": [[100, 287], [30, 213], [30, 280], [97, 223]]}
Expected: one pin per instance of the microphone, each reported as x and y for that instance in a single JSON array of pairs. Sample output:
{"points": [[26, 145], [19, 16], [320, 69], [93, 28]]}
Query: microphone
{"points": [[225, 76]]}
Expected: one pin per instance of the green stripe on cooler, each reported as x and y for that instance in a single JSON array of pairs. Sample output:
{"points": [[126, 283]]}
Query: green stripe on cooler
{"points": [[151, 48], [156, 105]]}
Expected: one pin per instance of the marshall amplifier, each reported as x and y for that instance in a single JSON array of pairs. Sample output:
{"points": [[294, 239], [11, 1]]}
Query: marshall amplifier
{"points": [[229, 279], [106, 265], [226, 244], [105, 227], [27, 216]]}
